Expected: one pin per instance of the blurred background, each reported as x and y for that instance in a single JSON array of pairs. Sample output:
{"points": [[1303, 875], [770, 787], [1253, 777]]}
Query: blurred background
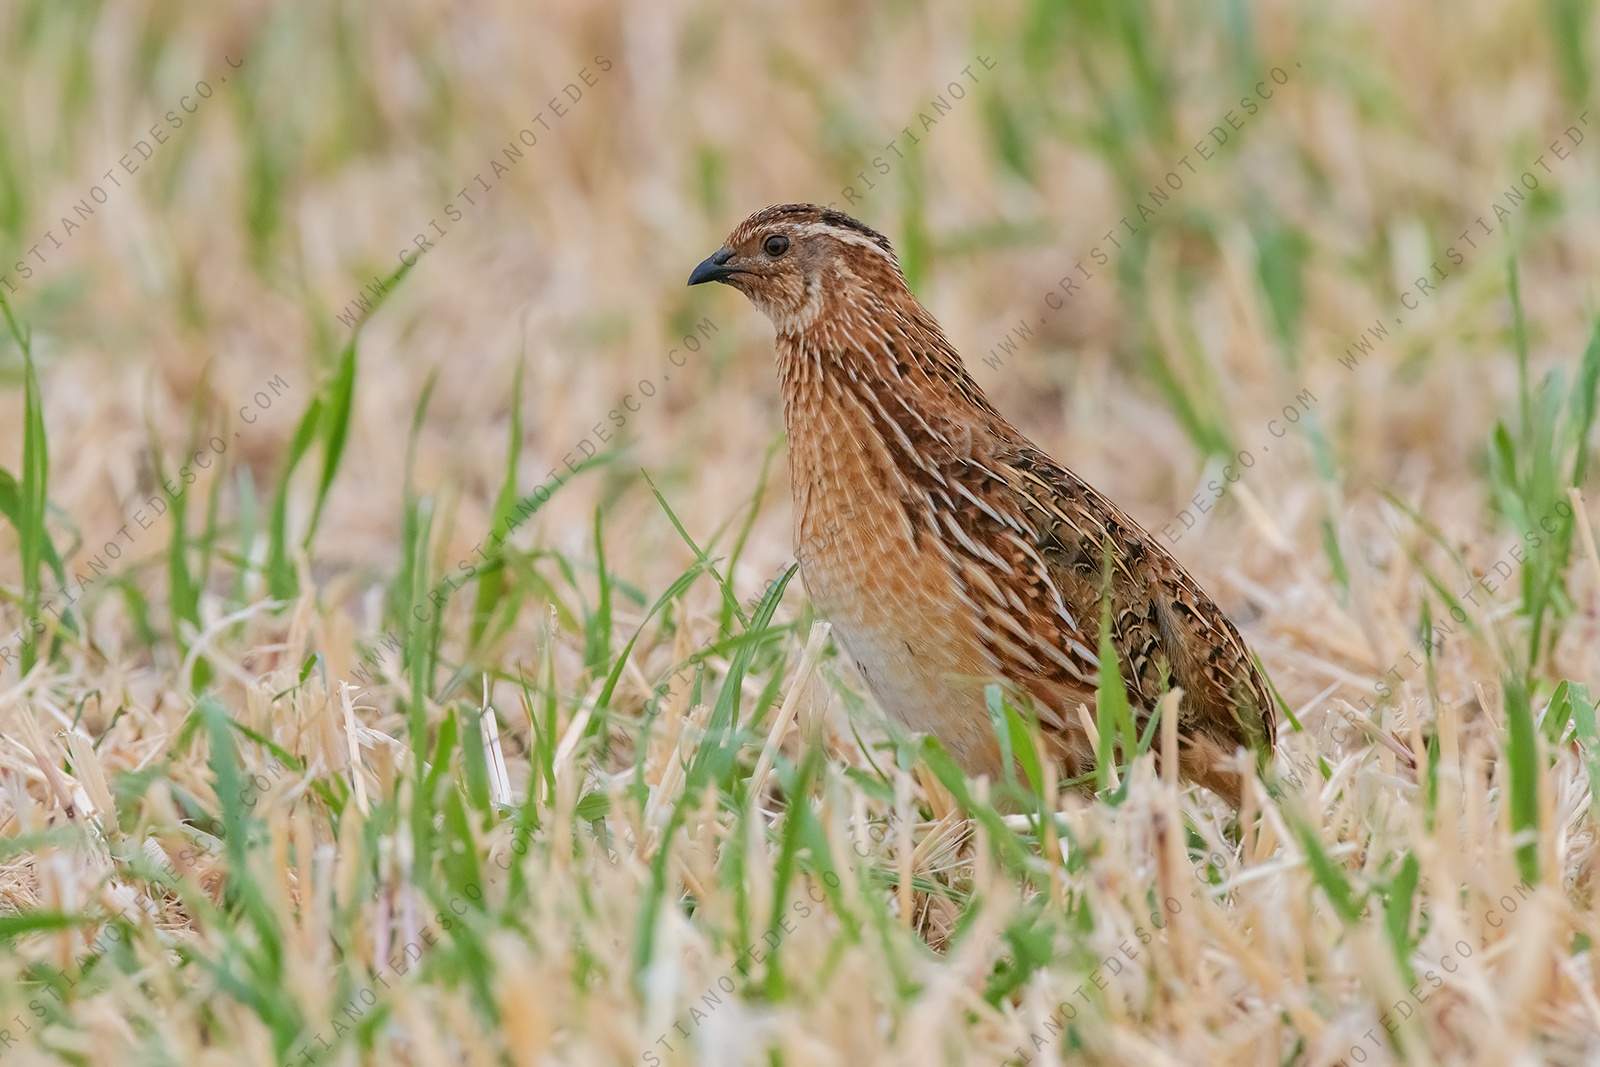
{"points": [[238, 252], [335, 138]]}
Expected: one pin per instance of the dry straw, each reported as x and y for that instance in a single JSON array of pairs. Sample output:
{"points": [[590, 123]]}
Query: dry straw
{"points": [[409, 787]]}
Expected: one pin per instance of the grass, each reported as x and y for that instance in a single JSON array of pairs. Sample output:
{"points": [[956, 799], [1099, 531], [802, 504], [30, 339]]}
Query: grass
{"points": [[473, 710], [24, 500]]}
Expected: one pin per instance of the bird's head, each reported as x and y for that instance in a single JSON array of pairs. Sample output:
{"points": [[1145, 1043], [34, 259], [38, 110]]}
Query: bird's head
{"points": [[794, 260]]}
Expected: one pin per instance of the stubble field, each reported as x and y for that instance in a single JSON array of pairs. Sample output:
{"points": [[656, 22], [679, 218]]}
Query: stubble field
{"points": [[399, 656]]}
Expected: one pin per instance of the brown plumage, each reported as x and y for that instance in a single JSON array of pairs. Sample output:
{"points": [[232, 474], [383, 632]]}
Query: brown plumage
{"points": [[947, 550]]}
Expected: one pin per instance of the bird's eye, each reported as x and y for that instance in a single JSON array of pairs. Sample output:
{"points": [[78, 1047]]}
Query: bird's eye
{"points": [[776, 245]]}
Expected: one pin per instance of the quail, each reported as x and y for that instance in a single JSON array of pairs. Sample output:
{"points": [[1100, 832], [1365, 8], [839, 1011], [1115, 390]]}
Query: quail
{"points": [[949, 551]]}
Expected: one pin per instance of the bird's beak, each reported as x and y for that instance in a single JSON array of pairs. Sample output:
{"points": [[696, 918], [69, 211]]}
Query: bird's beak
{"points": [[714, 268]]}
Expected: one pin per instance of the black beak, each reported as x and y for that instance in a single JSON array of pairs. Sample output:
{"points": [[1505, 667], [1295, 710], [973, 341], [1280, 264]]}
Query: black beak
{"points": [[714, 268]]}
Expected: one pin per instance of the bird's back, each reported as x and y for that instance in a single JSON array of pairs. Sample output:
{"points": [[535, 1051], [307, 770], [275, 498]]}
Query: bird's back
{"points": [[950, 552]]}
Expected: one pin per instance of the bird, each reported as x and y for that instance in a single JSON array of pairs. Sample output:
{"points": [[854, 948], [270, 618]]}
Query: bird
{"points": [[947, 550]]}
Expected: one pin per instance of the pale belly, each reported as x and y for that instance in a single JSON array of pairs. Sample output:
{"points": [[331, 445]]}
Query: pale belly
{"points": [[896, 611]]}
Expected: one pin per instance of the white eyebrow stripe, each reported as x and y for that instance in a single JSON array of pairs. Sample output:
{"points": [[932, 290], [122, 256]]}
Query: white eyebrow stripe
{"points": [[853, 237]]}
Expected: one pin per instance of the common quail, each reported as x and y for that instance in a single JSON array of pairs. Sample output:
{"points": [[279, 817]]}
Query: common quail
{"points": [[948, 551]]}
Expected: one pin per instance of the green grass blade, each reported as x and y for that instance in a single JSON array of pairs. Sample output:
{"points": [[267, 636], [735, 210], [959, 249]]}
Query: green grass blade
{"points": [[1588, 734], [31, 492], [1522, 759], [492, 576], [1584, 390], [334, 429]]}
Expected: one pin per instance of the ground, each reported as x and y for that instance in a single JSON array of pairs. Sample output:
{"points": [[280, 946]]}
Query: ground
{"points": [[398, 664]]}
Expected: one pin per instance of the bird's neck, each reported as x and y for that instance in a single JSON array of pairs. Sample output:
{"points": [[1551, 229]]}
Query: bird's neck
{"points": [[871, 395], [867, 343]]}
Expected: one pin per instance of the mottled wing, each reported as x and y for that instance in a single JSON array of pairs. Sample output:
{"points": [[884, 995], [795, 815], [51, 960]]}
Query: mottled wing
{"points": [[961, 504], [1164, 626]]}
